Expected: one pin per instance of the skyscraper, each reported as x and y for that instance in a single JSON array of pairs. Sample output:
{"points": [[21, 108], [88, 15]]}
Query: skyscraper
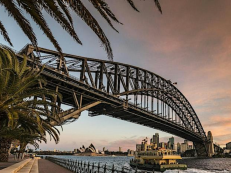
{"points": [[156, 139], [171, 141]]}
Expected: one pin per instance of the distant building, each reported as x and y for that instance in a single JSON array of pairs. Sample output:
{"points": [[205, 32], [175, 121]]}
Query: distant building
{"points": [[54, 150], [156, 139], [162, 145], [178, 147], [131, 152], [183, 147], [186, 142], [120, 149], [169, 146], [190, 147], [175, 147], [228, 145], [171, 141], [75, 150]]}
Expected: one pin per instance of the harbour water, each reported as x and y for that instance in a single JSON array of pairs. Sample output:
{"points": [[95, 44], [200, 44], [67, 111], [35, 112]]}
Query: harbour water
{"points": [[195, 165]]}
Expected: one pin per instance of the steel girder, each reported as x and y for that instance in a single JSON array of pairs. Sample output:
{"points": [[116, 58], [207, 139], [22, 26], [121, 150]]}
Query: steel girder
{"points": [[120, 81]]}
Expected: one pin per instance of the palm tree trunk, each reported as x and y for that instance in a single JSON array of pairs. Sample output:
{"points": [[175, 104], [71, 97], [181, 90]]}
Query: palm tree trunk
{"points": [[4, 148], [22, 149]]}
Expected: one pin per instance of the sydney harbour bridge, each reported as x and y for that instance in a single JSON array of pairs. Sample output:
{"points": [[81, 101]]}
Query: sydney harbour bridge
{"points": [[117, 90]]}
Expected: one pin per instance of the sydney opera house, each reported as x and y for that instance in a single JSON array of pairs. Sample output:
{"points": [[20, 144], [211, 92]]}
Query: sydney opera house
{"points": [[90, 149]]}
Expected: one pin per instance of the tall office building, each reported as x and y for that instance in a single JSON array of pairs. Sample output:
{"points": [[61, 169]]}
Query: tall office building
{"points": [[162, 145], [156, 139], [171, 141], [120, 149], [186, 142]]}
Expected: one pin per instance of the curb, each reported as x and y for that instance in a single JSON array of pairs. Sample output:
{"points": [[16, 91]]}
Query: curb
{"points": [[15, 167]]}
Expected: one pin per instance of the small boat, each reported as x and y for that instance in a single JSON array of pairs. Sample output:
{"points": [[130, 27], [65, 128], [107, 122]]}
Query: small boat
{"points": [[157, 160]]}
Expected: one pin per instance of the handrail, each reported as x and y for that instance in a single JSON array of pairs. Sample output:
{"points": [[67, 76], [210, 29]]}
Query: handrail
{"points": [[81, 166]]}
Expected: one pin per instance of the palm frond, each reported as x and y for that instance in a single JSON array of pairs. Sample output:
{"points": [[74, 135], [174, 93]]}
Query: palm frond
{"points": [[133, 5], [5, 33], [54, 10], [63, 6], [78, 7], [24, 24], [105, 11], [34, 10], [158, 5]]}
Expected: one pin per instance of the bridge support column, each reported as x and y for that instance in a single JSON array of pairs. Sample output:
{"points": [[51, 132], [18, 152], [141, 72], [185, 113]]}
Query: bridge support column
{"points": [[210, 145], [201, 149], [72, 113], [205, 148]]}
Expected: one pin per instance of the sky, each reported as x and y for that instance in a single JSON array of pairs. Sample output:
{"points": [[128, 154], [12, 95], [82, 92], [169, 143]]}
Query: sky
{"points": [[190, 43]]}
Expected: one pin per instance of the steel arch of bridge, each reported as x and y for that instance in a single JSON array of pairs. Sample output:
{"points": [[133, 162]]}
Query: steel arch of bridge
{"points": [[156, 102]]}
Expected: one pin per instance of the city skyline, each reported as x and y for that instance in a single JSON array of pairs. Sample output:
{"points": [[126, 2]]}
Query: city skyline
{"points": [[192, 50]]}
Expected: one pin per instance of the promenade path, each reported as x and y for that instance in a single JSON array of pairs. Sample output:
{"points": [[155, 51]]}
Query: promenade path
{"points": [[45, 166], [10, 162]]}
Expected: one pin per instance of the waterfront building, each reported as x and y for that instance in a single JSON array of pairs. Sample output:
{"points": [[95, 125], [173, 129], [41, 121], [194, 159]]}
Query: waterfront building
{"points": [[120, 149], [175, 147], [190, 147], [156, 139], [90, 149], [228, 145], [186, 142], [227, 151], [183, 147], [178, 147], [75, 150]]}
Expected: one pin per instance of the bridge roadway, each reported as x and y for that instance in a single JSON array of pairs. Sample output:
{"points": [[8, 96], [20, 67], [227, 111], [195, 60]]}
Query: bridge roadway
{"points": [[105, 88]]}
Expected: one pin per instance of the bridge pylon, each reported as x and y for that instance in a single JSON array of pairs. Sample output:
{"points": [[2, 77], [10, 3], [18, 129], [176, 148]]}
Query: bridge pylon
{"points": [[210, 145]]}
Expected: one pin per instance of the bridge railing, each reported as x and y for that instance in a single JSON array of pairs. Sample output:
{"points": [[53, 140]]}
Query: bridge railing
{"points": [[87, 167]]}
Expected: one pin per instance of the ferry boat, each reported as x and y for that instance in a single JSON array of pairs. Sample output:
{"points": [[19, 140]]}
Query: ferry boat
{"points": [[157, 160]]}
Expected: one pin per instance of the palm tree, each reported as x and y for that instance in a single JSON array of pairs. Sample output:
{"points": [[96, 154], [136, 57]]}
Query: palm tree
{"points": [[21, 106], [60, 11], [24, 136]]}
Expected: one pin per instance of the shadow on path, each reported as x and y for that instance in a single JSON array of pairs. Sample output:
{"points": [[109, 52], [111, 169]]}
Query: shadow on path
{"points": [[46, 166]]}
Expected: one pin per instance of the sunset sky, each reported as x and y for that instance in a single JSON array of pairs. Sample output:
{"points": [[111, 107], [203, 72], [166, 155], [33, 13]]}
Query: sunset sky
{"points": [[190, 43]]}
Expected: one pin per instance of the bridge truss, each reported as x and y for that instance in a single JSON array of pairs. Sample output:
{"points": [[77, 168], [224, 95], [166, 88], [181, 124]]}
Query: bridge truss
{"points": [[118, 90]]}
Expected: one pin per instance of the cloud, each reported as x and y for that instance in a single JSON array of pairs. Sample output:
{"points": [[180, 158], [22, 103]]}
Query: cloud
{"points": [[219, 121], [223, 139]]}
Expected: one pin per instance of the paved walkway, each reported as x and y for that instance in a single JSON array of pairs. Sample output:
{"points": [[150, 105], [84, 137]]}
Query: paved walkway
{"points": [[45, 166], [10, 162]]}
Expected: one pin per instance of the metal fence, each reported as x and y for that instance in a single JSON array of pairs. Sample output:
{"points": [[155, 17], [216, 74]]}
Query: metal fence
{"points": [[87, 167]]}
